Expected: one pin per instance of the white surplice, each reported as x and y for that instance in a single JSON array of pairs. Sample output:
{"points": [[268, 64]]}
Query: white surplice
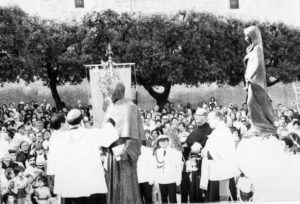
{"points": [[146, 166], [78, 168]]}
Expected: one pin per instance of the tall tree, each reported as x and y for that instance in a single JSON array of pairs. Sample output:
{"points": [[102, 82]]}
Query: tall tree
{"points": [[189, 48], [141, 40], [34, 49], [14, 35], [57, 50], [282, 52]]}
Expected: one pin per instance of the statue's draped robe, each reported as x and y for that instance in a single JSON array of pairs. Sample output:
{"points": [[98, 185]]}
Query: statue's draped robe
{"points": [[259, 103], [274, 173], [122, 175]]}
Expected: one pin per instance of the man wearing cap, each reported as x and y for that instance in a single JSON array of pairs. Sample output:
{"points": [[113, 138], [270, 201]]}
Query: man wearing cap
{"points": [[79, 174], [194, 143], [122, 165]]}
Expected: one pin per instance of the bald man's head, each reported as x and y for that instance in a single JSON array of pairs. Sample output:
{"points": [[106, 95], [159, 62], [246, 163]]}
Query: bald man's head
{"points": [[74, 117], [214, 118], [201, 111]]}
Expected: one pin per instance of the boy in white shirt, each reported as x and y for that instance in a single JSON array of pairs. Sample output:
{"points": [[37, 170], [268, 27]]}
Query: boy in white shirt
{"points": [[168, 169]]}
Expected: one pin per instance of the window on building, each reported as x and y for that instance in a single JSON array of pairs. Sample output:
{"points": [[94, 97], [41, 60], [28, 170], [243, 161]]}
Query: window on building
{"points": [[79, 3], [234, 4]]}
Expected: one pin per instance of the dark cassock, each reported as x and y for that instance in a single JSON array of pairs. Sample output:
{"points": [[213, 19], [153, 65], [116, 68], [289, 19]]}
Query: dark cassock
{"points": [[258, 101], [123, 184], [79, 174], [190, 185]]}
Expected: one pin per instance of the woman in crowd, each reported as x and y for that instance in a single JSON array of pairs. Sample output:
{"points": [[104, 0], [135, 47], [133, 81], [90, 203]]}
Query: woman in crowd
{"points": [[23, 152]]}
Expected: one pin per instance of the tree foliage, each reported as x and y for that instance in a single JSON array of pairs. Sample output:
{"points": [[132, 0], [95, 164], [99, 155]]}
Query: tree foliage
{"points": [[14, 34], [36, 49], [282, 52], [57, 50], [188, 48]]}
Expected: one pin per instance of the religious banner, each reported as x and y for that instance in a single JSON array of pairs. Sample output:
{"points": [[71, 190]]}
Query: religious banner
{"points": [[103, 79]]}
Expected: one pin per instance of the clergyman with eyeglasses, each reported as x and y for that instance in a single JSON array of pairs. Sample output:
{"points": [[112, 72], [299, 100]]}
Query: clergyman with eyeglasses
{"points": [[194, 143]]}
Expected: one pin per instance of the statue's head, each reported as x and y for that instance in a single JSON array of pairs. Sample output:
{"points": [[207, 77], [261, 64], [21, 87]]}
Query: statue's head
{"points": [[253, 36]]}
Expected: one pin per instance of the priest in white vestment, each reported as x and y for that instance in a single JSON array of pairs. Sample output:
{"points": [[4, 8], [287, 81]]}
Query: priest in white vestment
{"points": [[79, 174]]}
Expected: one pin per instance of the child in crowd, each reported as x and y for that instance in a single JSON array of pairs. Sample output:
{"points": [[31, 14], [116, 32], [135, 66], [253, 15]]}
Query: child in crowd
{"points": [[244, 188], [168, 171], [9, 198], [19, 185], [236, 136], [42, 193], [46, 136], [39, 138], [29, 189], [32, 137], [182, 133], [41, 157], [31, 167], [8, 175]]}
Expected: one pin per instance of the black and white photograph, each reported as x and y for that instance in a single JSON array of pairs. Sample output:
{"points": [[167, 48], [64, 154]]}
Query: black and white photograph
{"points": [[149, 101]]}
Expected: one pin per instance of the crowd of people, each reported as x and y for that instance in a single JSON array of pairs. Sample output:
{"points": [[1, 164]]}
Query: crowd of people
{"points": [[180, 141], [26, 130], [187, 131]]}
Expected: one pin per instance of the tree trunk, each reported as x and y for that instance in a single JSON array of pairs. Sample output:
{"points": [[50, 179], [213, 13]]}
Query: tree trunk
{"points": [[55, 95], [161, 98], [53, 87]]}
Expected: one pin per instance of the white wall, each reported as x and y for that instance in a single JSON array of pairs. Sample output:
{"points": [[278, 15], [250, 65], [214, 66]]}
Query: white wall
{"points": [[287, 11]]}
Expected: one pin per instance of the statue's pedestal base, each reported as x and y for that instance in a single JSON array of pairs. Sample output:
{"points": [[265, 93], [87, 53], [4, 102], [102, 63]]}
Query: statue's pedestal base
{"points": [[254, 132], [274, 173]]}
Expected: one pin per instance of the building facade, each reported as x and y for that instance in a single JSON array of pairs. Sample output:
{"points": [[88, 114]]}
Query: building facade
{"points": [[286, 11]]}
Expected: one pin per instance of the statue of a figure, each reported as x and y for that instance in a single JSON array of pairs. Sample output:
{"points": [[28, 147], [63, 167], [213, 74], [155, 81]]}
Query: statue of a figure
{"points": [[259, 103]]}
